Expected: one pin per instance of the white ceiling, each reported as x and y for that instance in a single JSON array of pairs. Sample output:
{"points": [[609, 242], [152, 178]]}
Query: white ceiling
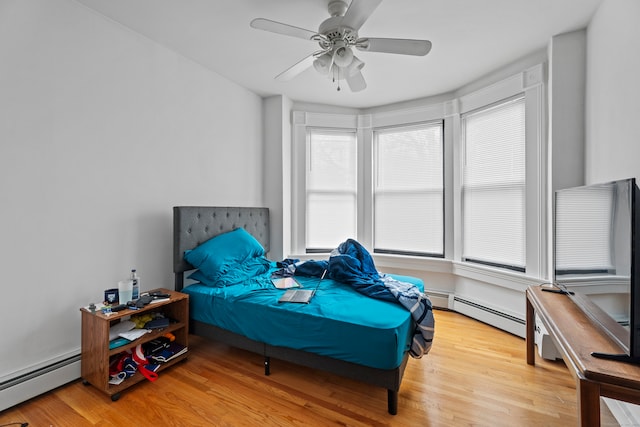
{"points": [[470, 39]]}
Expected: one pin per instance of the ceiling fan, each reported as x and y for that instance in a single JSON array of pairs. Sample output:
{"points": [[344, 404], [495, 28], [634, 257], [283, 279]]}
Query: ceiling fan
{"points": [[337, 36]]}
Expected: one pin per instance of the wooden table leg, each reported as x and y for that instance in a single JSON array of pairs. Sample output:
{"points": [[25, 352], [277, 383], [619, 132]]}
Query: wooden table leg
{"points": [[588, 403], [530, 333]]}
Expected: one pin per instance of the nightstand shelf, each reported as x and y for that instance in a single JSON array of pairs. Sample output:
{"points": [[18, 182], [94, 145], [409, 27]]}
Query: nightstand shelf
{"points": [[95, 340]]}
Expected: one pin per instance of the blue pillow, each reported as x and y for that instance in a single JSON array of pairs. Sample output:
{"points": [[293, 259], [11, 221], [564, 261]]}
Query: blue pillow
{"points": [[218, 255], [238, 274]]}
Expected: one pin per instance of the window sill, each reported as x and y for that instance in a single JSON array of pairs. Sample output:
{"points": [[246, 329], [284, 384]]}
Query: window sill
{"points": [[491, 275], [495, 276], [434, 265]]}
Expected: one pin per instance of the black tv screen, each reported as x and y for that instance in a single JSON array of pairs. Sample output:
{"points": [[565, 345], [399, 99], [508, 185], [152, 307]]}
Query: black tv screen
{"points": [[596, 258]]}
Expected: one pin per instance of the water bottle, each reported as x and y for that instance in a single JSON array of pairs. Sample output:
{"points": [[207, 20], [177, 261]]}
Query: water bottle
{"points": [[136, 285]]}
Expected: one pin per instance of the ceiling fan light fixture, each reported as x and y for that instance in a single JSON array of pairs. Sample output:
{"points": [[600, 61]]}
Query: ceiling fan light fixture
{"points": [[343, 56], [322, 63]]}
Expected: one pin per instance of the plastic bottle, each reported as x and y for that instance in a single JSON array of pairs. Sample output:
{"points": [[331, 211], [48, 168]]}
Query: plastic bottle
{"points": [[136, 284]]}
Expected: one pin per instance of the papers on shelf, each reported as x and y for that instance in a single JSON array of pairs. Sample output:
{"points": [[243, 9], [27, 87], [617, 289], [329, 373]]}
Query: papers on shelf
{"points": [[118, 328], [134, 334], [126, 329]]}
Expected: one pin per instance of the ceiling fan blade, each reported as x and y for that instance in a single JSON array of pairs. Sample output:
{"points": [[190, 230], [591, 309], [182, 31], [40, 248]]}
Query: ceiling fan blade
{"points": [[296, 69], [358, 12], [280, 28], [399, 46], [356, 82]]}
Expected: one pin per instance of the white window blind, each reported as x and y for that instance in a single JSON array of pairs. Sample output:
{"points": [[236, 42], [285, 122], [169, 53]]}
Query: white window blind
{"points": [[408, 190], [583, 229], [493, 189], [331, 188]]}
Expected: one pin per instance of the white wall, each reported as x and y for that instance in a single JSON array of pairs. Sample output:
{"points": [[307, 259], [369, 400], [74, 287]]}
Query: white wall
{"points": [[566, 100], [277, 181], [101, 133], [613, 91]]}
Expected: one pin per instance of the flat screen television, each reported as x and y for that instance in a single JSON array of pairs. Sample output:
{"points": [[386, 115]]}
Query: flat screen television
{"points": [[597, 258]]}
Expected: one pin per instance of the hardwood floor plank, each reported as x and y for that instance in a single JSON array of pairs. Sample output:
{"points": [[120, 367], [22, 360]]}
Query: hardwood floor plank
{"points": [[475, 375]]}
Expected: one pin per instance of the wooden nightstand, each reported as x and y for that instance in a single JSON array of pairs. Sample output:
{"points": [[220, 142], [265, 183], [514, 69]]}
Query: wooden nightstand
{"points": [[95, 340]]}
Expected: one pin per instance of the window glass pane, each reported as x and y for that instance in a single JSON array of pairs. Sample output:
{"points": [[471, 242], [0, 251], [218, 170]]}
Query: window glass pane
{"points": [[408, 190], [332, 219], [331, 181], [493, 189]]}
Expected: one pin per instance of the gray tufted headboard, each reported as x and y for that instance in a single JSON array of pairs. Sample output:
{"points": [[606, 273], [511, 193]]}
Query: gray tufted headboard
{"points": [[193, 225]]}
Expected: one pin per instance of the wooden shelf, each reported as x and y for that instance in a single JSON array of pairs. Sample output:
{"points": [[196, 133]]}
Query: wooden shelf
{"points": [[95, 340], [147, 337], [137, 377]]}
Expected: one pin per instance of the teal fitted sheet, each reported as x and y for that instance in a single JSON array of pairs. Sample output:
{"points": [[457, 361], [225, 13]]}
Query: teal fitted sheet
{"points": [[338, 322]]}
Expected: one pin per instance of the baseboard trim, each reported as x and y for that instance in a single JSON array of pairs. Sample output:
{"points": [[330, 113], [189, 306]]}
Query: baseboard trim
{"points": [[31, 384]]}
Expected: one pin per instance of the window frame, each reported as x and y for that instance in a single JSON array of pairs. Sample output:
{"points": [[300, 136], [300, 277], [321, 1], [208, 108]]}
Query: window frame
{"points": [[302, 121], [408, 126], [529, 84], [464, 149], [320, 130]]}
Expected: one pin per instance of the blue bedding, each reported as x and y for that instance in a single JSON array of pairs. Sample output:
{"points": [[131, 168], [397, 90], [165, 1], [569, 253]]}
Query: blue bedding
{"points": [[339, 322]]}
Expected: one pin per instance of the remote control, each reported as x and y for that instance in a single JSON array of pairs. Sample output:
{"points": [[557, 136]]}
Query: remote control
{"points": [[157, 294]]}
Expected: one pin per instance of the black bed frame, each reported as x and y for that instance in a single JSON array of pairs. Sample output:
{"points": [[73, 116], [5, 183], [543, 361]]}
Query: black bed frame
{"points": [[193, 225]]}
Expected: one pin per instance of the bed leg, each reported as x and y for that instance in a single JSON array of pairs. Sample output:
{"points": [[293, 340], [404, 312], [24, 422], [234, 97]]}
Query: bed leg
{"points": [[267, 366], [392, 402]]}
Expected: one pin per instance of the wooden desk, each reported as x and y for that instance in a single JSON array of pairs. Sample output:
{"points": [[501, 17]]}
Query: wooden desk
{"points": [[576, 337]]}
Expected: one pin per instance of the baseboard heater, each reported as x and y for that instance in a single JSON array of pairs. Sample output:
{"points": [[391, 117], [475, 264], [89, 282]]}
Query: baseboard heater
{"points": [[33, 383], [486, 314], [438, 299]]}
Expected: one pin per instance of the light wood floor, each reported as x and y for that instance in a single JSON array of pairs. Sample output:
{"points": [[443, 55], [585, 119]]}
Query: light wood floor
{"points": [[474, 375]]}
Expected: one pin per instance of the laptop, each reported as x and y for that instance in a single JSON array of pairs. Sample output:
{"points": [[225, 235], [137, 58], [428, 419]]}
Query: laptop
{"points": [[302, 296]]}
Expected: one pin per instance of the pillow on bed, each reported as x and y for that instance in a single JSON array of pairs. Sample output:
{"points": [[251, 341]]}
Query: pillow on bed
{"points": [[237, 274], [218, 255]]}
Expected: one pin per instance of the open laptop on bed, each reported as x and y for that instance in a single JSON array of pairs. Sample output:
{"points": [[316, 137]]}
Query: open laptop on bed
{"points": [[302, 296]]}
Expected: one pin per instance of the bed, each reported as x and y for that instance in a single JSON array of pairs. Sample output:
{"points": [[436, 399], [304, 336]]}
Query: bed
{"points": [[335, 332]]}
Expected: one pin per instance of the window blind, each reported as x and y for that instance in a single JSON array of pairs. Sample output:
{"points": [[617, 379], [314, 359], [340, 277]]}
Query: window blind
{"points": [[331, 188], [408, 190], [584, 229], [493, 189]]}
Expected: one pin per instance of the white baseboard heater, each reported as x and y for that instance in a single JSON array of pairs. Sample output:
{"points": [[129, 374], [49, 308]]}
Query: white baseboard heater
{"points": [[491, 315], [438, 299], [35, 382]]}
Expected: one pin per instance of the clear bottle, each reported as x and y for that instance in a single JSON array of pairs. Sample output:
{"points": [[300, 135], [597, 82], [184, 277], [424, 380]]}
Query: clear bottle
{"points": [[136, 284]]}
